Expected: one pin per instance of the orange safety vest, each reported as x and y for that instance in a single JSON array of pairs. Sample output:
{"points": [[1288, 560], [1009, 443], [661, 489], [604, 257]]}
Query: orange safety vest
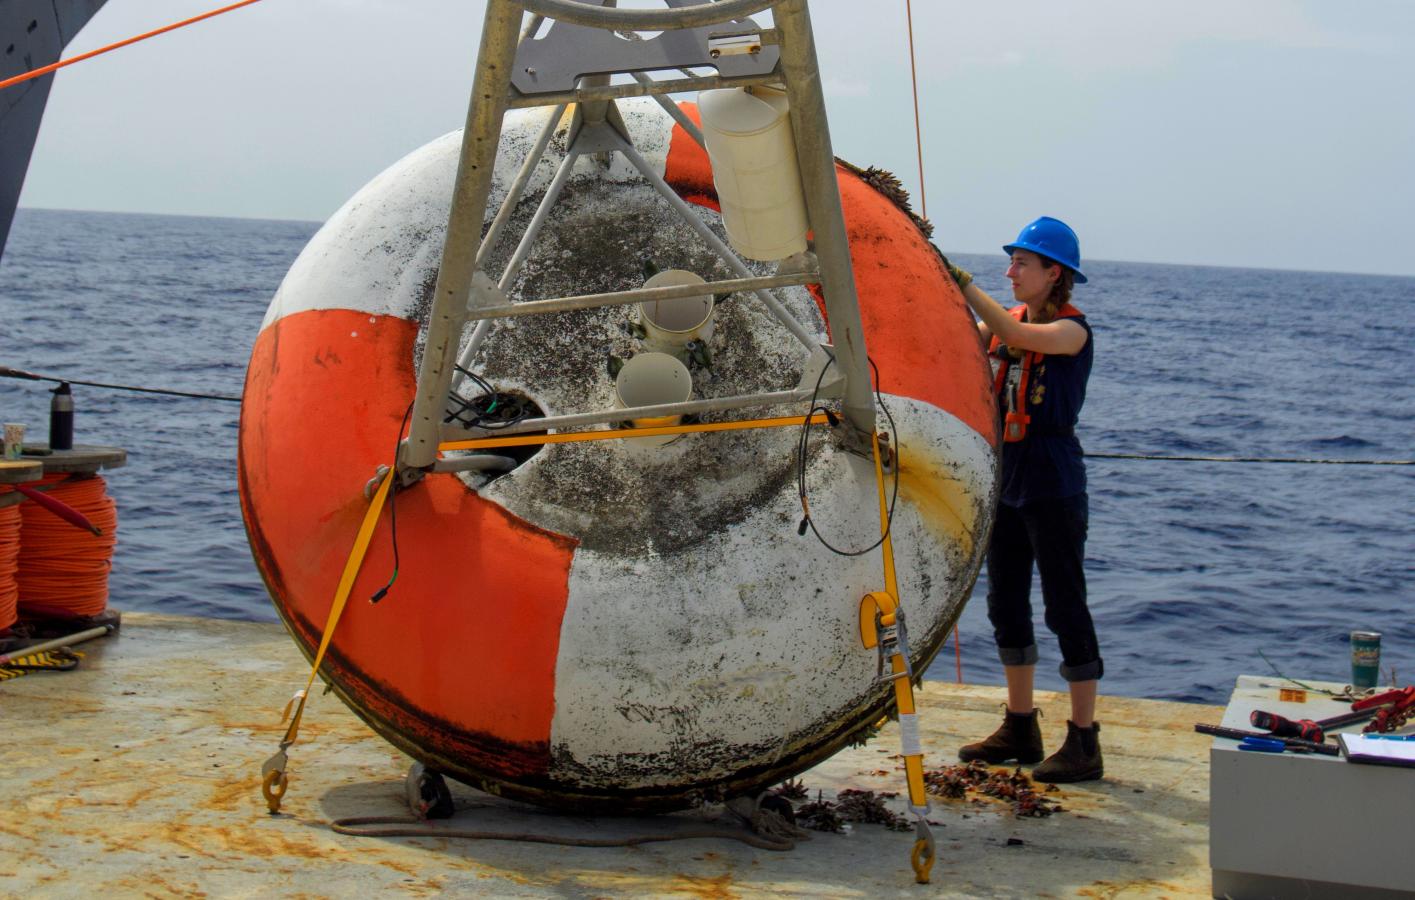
{"points": [[1015, 420]]}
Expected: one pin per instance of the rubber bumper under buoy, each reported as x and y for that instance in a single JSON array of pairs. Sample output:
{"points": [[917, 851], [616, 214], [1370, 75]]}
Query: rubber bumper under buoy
{"points": [[603, 628]]}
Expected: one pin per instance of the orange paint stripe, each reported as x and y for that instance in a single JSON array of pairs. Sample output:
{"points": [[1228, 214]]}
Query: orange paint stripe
{"points": [[480, 593], [687, 169], [917, 326]]}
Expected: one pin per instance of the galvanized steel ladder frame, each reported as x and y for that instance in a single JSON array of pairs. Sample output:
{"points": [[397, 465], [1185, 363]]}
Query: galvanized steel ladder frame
{"points": [[464, 292]]}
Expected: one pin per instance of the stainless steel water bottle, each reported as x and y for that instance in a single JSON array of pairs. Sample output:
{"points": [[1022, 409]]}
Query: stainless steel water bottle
{"points": [[61, 418]]}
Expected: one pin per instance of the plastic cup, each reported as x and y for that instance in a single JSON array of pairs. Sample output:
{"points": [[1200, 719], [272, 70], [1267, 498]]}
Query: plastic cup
{"points": [[14, 440]]}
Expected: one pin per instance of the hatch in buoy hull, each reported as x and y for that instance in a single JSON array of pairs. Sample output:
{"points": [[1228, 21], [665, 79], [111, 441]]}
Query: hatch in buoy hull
{"points": [[607, 626]]}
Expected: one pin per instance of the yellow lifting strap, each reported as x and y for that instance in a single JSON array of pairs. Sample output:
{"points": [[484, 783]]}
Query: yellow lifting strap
{"points": [[526, 440], [274, 781], [879, 611]]}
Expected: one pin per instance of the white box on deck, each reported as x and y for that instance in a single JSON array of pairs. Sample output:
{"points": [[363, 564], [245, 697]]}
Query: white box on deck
{"points": [[1305, 825]]}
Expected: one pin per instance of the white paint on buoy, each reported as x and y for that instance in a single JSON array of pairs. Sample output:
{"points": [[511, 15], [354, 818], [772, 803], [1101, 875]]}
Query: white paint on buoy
{"points": [[749, 645]]}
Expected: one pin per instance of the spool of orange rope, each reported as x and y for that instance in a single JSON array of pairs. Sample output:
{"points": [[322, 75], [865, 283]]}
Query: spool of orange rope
{"points": [[9, 560], [63, 570]]}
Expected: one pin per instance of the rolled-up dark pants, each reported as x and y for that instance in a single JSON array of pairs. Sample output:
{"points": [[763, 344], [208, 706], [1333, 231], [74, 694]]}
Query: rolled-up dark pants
{"points": [[1052, 535]]}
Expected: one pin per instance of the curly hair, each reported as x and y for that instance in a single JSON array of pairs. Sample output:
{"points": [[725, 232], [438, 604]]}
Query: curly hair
{"points": [[1060, 291]]}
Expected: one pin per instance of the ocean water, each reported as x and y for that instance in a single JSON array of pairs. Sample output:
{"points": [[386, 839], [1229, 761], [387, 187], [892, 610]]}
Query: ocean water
{"points": [[1195, 569]]}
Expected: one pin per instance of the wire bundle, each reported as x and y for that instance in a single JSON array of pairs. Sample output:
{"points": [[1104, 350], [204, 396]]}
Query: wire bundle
{"points": [[490, 409], [63, 570], [9, 560]]}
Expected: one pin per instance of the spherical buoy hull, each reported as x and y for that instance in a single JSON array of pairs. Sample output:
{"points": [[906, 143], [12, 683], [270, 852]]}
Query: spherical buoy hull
{"points": [[606, 627]]}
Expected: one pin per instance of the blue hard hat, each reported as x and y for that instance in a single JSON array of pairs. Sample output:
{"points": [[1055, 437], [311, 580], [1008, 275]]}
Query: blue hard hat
{"points": [[1053, 239]]}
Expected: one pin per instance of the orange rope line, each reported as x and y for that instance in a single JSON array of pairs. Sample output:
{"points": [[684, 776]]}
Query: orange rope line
{"points": [[924, 210], [918, 133], [9, 562], [957, 653], [55, 66], [63, 570]]}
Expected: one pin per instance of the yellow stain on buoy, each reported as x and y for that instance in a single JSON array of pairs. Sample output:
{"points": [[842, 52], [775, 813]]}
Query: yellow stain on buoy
{"points": [[943, 502]]}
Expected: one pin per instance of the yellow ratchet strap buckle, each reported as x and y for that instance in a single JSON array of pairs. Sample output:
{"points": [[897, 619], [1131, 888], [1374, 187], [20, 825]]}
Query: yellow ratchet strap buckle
{"points": [[874, 606]]}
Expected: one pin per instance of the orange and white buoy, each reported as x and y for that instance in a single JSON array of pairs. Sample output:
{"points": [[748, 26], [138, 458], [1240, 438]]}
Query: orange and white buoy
{"points": [[607, 625]]}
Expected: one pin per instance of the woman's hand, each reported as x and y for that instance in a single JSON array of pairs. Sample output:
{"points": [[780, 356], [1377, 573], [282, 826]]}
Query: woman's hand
{"points": [[962, 276]]}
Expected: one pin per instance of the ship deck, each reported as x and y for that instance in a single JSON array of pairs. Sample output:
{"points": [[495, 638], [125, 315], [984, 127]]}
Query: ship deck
{"points": [[139, 774]]}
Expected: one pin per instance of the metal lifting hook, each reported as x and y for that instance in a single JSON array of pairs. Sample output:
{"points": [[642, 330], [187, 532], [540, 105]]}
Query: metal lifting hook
{"points": [[274, 781], [882, 627], [922, 856]]}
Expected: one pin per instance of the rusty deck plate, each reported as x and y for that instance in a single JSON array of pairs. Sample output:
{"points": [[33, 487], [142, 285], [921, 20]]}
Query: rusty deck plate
{"points": [[138, 774]]}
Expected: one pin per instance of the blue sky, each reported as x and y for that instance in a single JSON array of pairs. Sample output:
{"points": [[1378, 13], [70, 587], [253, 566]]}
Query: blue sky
{"points": [[1263, 133]]}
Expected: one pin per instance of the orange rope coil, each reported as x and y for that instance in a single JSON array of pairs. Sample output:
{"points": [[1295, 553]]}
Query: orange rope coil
{"points": [[63, 570], [9, 561]]}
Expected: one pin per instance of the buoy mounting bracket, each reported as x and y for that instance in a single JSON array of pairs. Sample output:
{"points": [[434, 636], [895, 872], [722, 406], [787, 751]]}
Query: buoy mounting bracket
{"points": [[570, 52]]}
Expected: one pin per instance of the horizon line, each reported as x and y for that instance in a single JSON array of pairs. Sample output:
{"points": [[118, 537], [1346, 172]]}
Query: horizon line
{"points": [[1138, 262]]}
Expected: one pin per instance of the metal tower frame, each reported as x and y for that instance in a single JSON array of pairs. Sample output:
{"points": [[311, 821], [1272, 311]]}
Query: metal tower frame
{"points": [[515, 71]]}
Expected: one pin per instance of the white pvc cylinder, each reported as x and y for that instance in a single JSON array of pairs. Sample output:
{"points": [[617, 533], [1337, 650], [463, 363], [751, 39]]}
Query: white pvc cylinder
{"points": [[648, 380], [670, 324], [748, 138]]}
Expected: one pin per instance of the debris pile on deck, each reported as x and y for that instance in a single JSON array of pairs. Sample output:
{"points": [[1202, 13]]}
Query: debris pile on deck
{"points": [[1015, 787]]}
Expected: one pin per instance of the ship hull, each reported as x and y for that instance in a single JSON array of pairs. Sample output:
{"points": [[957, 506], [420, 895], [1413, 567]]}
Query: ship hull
{"points": [[32, 35]]}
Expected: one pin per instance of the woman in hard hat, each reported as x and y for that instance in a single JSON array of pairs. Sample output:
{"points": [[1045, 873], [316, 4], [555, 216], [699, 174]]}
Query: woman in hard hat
{"points": [[1044, 349]]}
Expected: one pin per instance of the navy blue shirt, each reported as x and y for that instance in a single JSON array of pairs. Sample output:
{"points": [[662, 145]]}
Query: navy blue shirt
{"points": [[1046, 464]]}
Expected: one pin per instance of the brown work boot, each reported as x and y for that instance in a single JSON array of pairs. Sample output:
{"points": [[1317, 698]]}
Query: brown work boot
{"points": [[1019, 738], [1079, 759]]}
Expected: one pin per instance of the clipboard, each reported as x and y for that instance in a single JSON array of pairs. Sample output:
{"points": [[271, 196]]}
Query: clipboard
{"points": [[1378, 750]]}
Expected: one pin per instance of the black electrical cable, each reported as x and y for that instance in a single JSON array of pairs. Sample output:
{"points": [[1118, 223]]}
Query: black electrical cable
{"points": [[497, 400], [803, 448], [1255, 459], [393, 508], [7, 372], [802, 444]]}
